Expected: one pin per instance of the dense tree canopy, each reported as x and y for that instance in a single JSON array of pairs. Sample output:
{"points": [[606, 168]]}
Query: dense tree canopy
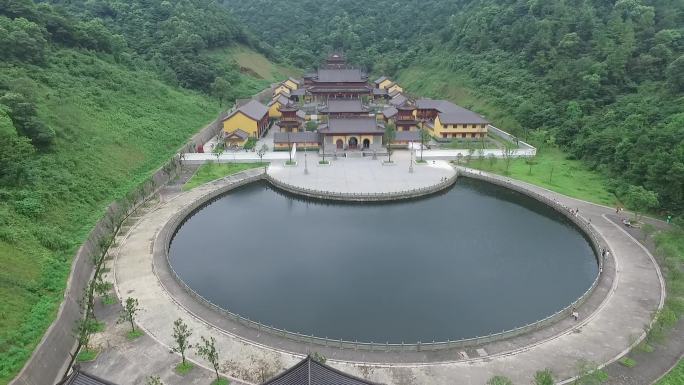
{"points": [[602, 79]]}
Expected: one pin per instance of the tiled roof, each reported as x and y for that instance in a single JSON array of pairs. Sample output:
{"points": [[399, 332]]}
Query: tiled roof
{"points": [[239, 133], [253, 109], [340, 76], [407, 136], [379, 91], [295, 137], [351, 126], [389, 112], [398, 100], [293, 80], [280, 99], [449, 112], [78, 377], [344, 105], [301, 114], [380, 79], [311, 372]]}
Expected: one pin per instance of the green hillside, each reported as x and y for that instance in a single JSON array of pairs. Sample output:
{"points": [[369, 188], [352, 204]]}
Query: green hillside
{"points": [[86, 114]]}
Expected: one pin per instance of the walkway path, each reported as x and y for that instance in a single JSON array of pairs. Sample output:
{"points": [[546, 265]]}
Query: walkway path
{"points": [[603, 336]]}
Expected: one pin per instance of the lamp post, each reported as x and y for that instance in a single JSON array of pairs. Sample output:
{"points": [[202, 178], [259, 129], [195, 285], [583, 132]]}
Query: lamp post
{"points": [[410, 158], [306, 168]]}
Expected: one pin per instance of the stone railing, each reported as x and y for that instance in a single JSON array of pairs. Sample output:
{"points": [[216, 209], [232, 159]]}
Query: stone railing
{"points": [[363, 197], [163, 243]]}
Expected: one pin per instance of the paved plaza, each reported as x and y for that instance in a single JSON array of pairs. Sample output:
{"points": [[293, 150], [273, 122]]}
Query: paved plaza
{"points": [[361, 175], [605, 332]]}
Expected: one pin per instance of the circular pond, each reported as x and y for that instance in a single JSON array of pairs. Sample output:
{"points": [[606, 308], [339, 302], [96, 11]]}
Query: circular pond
{"points": [[474, 260]]}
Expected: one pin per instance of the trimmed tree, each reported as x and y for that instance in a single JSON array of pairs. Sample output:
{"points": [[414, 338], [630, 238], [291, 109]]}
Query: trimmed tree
{"points": [[261, 152], [507, 153], [390, 135], [129, 312], [181, 335], [207, 350]]}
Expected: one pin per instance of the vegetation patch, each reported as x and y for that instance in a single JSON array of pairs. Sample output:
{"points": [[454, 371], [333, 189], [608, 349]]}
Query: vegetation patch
{"points": [[250, 143], [675, 377], [133, 335], [627, 362], [184, 367], [213, 171], [85, 355]]}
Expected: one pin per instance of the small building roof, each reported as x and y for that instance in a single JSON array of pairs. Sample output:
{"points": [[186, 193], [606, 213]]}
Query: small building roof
{"points": [[252, 109], [293, 80], [394, 93], [296, 137], [389, 112], [460, 117], [239, 133], [380, 80], [311, 372], [407, 136], [365, 125], [342, 75], [279, 99], [379, 91], [398, 100], [344, 105], [298, 92], [77, 377], [301, 114]]}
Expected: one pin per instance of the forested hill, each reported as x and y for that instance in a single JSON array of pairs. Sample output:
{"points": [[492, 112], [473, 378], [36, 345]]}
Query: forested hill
{"points": [[604, 80], [94, 96]]}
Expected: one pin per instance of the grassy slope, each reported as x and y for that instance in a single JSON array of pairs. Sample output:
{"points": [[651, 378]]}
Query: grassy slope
{"points": [[256, 65], [570, 177], [115, 126], [212, 171]]}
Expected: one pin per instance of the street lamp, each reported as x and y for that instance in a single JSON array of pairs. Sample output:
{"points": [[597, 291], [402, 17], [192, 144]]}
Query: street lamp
{"points": [[410, 158]]}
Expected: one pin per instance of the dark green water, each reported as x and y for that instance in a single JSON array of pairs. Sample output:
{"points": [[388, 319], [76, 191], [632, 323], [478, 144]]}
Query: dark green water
{"points": [[475, 260]]}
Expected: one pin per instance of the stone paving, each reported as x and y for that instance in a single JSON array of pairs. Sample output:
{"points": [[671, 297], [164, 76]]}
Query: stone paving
{"points": [[601, 336], [361, 175]]}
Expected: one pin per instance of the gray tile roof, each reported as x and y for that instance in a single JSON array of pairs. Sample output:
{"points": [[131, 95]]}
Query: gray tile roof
{"points": [[380, 79], [239, 133], [253, 109], [295, 137], [389, 112], [351, 126], [344, 105], [407, 136], [340, 76], [379, 91], [78, 377], [398, 100], [280, 99], [311, 372], [450, 113]]}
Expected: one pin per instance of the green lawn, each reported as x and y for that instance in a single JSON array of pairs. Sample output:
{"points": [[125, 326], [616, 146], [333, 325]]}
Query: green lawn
{"points": [[675, 377], [554, 172], [212, 171]]}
